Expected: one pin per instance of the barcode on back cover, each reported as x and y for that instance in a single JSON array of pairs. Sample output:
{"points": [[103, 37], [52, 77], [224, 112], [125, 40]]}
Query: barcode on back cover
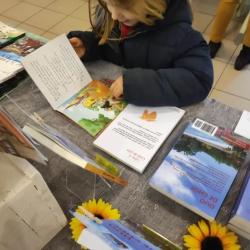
{"points": [[204, 126]]}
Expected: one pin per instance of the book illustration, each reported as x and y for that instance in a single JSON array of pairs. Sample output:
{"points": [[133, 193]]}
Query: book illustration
{"points": [[93, 107], [149, 116], [22, 47], [195, 141], [8, 34], [200, 169]]}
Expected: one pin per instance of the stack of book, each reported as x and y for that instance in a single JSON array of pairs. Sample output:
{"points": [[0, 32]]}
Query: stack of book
{"points": [[240, 220]]}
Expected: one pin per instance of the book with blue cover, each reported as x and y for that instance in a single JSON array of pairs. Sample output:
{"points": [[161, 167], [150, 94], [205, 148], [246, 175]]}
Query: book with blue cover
{"points": [[110, 235], [200, 169], [240, 219]]}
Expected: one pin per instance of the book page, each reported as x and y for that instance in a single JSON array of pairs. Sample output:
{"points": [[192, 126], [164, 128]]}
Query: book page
{"points": [[57, 70], [93, 107], [137, 133]]}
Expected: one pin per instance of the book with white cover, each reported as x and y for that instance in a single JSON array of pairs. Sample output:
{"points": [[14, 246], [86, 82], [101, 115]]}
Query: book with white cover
{"points": [[243, 126], [137, 133]]}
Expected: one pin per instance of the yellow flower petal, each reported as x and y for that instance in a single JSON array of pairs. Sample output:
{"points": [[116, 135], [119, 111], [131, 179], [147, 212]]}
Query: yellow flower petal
{"points": [[221, 232], [195, 232], [204, 227], [99, 208], [233, 247], [190, 241], [229, 239], [214, 228]]}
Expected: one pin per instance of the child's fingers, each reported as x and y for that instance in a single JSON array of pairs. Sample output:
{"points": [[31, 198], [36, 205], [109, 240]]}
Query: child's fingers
{"points": [[116, 93], [117, 88], [78, 46], [75, 42]]}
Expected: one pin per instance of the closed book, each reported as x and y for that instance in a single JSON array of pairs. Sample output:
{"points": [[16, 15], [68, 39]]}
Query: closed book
{"points": [[200, 169], [137, 133], [240, 219], [11, 55], [9, 34]]}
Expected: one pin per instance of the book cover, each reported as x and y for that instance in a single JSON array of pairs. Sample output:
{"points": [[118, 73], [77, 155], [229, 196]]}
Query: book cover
{"points": [[14, 142], [200, 169], [241, 213], [137, 133], [22, 47], [110, 235], [8, 68], [68, 87], [9, 34]]}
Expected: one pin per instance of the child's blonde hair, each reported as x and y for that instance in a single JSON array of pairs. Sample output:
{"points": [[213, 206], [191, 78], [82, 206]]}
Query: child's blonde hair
{"points": [[146, 11]]}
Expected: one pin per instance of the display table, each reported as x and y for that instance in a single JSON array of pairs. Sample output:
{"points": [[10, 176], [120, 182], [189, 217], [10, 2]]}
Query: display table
{"points": [[137, 202]]}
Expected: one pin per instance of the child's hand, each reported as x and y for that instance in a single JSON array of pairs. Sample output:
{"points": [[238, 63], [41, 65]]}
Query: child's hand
{"points": [[78, 46], [117, 88]]}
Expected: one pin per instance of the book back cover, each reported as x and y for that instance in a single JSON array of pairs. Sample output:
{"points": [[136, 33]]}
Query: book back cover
{"points": [[199, 170]]}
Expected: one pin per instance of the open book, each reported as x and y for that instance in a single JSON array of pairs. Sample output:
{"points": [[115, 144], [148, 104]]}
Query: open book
{"points": [[64, 81], [137, 132]]}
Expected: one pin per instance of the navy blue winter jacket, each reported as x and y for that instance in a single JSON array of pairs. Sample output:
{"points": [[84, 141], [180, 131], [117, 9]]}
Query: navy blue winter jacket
{"points": [[167, 64]]}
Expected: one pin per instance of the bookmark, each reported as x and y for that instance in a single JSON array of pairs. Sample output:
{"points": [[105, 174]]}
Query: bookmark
{"points": [[105, 175], [165, 243]]}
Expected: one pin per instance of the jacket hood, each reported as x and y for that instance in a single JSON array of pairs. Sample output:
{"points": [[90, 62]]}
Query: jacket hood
{"points": [[178, 11]]}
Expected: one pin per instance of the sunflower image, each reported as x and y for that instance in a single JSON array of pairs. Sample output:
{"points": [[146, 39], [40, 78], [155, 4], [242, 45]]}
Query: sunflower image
{"points": [[99, 209], [210, 236]]}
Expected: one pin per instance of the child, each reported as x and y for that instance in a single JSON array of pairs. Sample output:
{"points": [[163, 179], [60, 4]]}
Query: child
{"points": [[167, 62], [223, 16]]}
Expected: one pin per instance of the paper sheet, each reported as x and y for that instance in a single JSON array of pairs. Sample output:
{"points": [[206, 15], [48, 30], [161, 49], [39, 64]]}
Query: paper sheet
{"points": [[243, 126]]}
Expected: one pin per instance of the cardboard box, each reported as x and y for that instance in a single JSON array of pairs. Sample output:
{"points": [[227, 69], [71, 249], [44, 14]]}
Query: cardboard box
{"points": [[29, 214]]}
